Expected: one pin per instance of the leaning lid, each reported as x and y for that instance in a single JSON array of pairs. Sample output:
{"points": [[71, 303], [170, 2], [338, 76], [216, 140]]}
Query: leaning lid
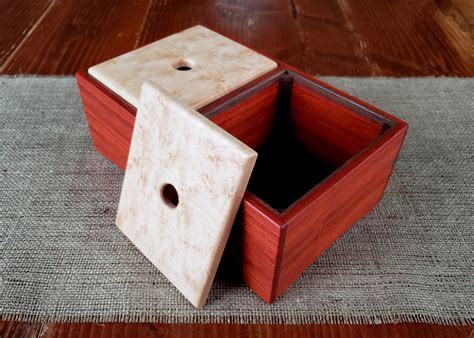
{"points": [[183, 185], [197, 66]]}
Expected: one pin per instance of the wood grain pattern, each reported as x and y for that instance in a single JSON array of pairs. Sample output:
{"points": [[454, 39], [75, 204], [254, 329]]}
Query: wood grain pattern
{"points": [[354, 189], [329, 212], [179, 213], [89, 330], [18, 18], [309, 226], [347, 37], [258, 108], [303, 22], [259, 247], [110, 119], [283, 228], [76, 33], [339, 134], [196, 65]]}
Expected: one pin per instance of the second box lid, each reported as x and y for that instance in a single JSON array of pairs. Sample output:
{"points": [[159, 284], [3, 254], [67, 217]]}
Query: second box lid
{"points": [[197, 66], [183, 185]]}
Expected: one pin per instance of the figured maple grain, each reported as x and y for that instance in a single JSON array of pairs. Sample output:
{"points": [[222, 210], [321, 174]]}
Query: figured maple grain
{"points": [[280, 237]]}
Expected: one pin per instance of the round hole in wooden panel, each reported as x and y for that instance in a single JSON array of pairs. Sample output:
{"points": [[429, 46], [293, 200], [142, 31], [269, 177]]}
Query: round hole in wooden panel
{"points": [[170, 196], [183, 65]]}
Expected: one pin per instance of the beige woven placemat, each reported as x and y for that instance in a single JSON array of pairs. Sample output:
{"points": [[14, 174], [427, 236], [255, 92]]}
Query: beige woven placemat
{"points": [[62, 258]]}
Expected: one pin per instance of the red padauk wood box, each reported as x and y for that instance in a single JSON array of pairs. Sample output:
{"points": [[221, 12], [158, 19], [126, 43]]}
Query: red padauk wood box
{"points": [[324, 160]]}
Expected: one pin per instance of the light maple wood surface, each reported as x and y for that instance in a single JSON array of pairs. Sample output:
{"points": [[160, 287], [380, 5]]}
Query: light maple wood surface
{"points": [[196, 65], [183, 185]]}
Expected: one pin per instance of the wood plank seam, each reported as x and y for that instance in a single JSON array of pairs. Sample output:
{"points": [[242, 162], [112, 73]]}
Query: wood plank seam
{"points": [[142, 27], [281, 248], [27, 35]]}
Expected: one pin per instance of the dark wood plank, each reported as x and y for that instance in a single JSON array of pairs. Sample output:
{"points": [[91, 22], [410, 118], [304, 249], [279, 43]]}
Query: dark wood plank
{"points": [[345, 37], [18, 18], [88, 330], [386, 38], [266, 25], [77, 33]]}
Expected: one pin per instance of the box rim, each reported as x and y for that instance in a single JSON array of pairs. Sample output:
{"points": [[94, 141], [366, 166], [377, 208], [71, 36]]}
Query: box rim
{"points": [[210, 110]]}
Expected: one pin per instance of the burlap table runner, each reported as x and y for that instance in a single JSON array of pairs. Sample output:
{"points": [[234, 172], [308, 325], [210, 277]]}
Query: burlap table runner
{"points": [[62, 258]]}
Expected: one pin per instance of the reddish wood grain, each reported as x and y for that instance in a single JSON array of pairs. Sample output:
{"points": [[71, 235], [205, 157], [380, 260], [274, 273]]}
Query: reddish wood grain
{"points": [[331, 210], [350, 37], [372, 46], [318, 219], [110, 119], [259, 109], [89, 330], [78, 33], [18, 17], [277, 245], [339, 133], [260, 247]]}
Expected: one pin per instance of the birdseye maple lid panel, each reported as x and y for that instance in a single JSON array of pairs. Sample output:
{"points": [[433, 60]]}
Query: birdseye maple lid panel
{"points": [[183, 185], [196, 66]]}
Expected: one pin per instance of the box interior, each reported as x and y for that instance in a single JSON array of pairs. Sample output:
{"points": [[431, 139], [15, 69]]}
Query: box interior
{"points": [[302, 132]]}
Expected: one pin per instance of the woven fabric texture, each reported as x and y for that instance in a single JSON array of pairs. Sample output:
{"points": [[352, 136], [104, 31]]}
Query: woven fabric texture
{"points": [[63, 259]]}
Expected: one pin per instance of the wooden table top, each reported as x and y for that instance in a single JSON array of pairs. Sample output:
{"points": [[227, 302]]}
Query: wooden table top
{"points": [[343, 38], [326, 37]]}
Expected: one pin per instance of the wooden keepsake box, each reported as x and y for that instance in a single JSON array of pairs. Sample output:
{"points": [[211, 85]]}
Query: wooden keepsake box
{"points": [[324, 157]]}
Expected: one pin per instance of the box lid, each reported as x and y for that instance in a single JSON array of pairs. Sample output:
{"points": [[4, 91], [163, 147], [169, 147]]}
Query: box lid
{"points": [[197, 66], [183, 185]]}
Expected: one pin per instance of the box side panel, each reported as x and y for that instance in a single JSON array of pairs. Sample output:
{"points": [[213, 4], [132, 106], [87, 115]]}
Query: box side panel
{"points": [[330, 215], [110, 123], [252, 119], [330, 130], [260, 241]]}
